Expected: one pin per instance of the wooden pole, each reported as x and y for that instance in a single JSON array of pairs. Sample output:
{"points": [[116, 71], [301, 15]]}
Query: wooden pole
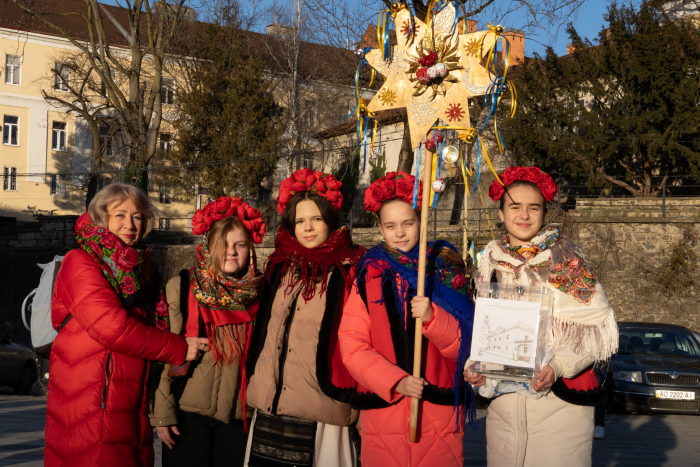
{"points": [[417, 350]]}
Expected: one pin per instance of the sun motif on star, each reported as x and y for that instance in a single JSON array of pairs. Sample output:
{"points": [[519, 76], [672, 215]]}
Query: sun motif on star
{"points": [[387, 97], [472, 47], [454, 112], [406, 28]]}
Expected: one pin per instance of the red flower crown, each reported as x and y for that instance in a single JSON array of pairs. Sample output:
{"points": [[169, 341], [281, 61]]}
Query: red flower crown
{"points": [[229, 207], [529, 174], [392, 185], [324, 185]]}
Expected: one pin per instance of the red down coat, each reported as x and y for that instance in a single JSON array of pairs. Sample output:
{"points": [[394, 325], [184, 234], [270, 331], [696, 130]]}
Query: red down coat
{"points": [[98, 401], [365, 338]]}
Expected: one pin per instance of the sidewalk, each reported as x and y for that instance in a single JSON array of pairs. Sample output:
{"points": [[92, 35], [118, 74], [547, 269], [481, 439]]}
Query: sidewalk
{"points": [[630, 440]]}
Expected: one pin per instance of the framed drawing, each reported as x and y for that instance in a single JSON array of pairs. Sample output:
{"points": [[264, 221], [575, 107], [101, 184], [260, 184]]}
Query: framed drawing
{"points": [[507, 323]]}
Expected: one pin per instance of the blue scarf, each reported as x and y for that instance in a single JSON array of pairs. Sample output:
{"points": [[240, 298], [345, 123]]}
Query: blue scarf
{"points": [[445, 285]]}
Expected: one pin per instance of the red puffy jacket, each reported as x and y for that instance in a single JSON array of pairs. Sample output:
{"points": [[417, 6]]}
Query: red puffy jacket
{"points": [[98, 401]]}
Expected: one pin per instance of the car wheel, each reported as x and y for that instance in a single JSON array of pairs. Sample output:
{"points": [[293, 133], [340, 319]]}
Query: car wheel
{"points": [[26, 380]]}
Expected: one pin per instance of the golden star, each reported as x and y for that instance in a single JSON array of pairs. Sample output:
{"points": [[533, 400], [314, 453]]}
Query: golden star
{"points": [[445, 99]]}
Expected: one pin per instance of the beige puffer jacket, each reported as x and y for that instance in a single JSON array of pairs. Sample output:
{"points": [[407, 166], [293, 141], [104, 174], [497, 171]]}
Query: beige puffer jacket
{"points": [[213, 390], [300, 395]]}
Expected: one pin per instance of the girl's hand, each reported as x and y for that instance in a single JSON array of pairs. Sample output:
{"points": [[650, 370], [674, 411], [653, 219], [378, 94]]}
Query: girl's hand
{"points": [[163, 433], [411, 386], [544, 380], [475, 379], [422, 308]]}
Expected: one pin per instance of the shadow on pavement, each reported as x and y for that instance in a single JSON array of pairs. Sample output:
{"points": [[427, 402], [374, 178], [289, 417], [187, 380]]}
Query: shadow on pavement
{"points": [[22, 421], [634, 440]]}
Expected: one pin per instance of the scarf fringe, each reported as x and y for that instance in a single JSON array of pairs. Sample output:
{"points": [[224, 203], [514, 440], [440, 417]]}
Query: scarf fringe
{"points": [[228, 342], [600, 341]]}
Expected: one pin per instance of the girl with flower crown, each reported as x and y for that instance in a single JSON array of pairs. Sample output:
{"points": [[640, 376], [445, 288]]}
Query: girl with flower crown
{"points": [[550, 424], [298, 383], [201, 415], [377, 337]]}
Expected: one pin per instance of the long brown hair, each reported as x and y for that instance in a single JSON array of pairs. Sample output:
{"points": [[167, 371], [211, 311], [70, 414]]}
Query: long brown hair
{"points": [[216, 238]]}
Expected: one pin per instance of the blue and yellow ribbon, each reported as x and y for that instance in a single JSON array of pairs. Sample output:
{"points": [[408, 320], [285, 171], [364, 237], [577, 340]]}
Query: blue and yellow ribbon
{"points": [[383, 27], [500, 84]]}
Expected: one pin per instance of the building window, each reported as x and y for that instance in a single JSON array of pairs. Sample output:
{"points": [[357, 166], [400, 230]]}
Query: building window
{"points": [[166, 142], [310, 113], [307, 161], [10, 131], [506, 347], [106, 140], [167, 92], [164, 224], [58, 185], [103, 182], [61, 78], [507, 336], [58, 138], [166, 195], [9, 179], [13, 69]]}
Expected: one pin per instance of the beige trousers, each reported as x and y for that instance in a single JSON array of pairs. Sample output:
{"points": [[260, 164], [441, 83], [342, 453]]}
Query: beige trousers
{"points": [[523, 432]]}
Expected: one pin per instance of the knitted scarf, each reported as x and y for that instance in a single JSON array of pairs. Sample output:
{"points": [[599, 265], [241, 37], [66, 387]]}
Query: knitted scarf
{"points": [[127, 269], [312, 263], [445, 285], [582, 318], [223, 302]]}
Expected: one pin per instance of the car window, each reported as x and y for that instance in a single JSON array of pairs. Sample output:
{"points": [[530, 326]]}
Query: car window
{"points": [[640, 341]]}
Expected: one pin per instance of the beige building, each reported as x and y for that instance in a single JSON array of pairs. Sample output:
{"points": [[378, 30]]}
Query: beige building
{"points": [[45, 151]]}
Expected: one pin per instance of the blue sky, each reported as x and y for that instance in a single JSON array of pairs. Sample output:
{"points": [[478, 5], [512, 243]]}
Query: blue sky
{"points": [[588, 22]]}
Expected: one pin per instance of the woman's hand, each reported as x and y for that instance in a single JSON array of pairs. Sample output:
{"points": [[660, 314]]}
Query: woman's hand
{"points": [[422, 308], [411, 386], [544, 380], [164, 434], [475, 379], [195, 345]]}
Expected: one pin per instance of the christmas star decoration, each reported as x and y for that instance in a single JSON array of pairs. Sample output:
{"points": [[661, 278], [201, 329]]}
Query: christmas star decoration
{"points": [[445, 98]]}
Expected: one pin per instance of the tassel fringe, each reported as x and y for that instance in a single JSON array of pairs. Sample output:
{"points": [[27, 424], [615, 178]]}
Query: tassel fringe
{"points": [[600, 341]]}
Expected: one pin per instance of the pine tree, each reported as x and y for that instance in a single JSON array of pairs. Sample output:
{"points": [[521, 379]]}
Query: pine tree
{"points": [[228, 132], [624, 111]]}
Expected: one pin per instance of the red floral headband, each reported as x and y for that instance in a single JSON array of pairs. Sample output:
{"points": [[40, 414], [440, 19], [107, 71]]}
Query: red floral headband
{"points": [[529, 174], [229, 207], [324, 185], [392, 185]]}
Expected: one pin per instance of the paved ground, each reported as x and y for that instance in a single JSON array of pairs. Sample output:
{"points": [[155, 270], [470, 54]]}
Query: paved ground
{"points": [[631, 440]]}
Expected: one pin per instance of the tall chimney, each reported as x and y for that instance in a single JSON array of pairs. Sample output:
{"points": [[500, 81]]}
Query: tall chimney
{"points": [[516, 37]]}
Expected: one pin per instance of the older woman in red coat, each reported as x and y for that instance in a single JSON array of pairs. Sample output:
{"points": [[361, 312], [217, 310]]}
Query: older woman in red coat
{"points": [[112, 319]]}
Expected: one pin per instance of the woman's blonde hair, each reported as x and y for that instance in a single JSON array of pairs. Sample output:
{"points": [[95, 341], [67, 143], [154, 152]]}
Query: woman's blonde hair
{"points": [[216, 238], [116, 194]]}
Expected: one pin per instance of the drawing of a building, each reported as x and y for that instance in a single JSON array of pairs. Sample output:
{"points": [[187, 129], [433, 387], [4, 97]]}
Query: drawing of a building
{"points": [[513, 342]]}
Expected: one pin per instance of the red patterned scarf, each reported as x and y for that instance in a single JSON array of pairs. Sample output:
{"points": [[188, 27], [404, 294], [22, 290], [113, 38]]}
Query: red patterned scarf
{"points": [[224, 304], [128, 270], [311, 263]]}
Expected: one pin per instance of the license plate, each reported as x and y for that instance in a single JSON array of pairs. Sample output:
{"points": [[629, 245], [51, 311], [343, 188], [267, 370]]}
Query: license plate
{"points": [[677, 395]]}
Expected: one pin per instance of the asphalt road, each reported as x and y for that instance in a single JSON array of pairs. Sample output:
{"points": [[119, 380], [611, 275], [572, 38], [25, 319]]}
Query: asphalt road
{"points": [[631, 440]]}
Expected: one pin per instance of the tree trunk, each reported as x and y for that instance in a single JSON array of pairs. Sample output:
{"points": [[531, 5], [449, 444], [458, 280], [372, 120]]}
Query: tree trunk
{"points": [[406, 155]]}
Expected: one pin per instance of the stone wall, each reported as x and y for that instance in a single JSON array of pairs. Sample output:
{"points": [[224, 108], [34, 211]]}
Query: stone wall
{"points": [[622, 248]]}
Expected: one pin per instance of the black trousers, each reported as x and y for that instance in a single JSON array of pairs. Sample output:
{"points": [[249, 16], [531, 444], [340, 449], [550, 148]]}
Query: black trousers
{"points": [[206, 442]]}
